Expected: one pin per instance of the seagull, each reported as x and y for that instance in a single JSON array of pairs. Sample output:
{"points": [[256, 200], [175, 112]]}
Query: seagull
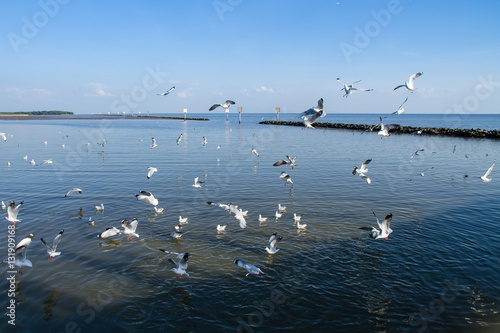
{"points": [[278, 215], [262, 219], [167, 92], [281, 208], [385, 229], [99, 208], [286, 178], [151, 171], [197, 183], [3, 205], [238, 213], [485, 178], [289, 161], [49, 161], [23, 244], [147, 197], [3, 137], [415, 153], [296, 218], [25, 157], [158, 210], [21, 250], [251, 269], [8, 164], [349, 89], [179, 139], [32, 162], [255, 152], [73, 190], [180, 266], [363, 169], [183, 220], [204, 141], [91, 222], [422, 173], [221, 228], [401, 109], [153, 143], [224, 105], [409, 84], [12, 212], [51, 250], [311, 115], [176, 232], [129, 228], [273, 242], [301, 226], [110, 232], [384, 130]]}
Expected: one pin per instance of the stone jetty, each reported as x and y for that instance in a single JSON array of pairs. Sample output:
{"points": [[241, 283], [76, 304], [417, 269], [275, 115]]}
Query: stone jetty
{"points": [[173, 117], [436, 131]]}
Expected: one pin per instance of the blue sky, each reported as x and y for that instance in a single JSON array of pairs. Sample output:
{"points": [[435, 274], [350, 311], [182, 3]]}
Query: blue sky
{"points": [[112, 56]]}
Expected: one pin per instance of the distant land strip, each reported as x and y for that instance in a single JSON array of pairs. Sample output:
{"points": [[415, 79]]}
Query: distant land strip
{"points": [[36, 113], [437, 131]]}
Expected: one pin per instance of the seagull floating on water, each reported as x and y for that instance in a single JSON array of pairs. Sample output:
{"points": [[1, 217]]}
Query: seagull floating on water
{"points": [[221, 228], [311, 115], [147, 197], [110, 232], [204, 141], [129, 228], [273, 242], [349, 89], [51, 250], [296, 218], [167, 92], [262, 219], [409, 84], [301, 226], [281, 208], [485, 178], [224, 105], [183, 220], [251, 269], [73, 190], [176, 232], [99, 208]]}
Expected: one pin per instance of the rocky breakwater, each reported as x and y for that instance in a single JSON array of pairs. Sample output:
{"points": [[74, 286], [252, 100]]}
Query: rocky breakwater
{"points": [[437, 131]]}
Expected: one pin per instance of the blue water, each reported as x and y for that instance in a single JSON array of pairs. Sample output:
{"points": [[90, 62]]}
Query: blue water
{"points": [[438, 271]]}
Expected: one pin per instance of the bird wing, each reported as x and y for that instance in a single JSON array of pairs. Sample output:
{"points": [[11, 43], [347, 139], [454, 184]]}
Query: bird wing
{"points": [[413, 77], [13, 210], [402, 85], [280, 163], [402, 104], [489, 170], [386, 224], [57, 239], [229, 102], [363, 166], [338, 79], [213, 107]]}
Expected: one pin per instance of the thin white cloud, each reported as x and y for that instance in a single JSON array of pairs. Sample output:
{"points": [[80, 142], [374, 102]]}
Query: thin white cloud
{"points": [[264, 89], [17, 93], [97, 89]]}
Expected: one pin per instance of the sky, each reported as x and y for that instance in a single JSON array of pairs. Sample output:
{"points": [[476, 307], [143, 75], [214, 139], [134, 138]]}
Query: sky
{"points": [[117, 56]]}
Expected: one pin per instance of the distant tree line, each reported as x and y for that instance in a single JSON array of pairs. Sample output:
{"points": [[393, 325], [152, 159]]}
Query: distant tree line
{"points": [[39, 113]]}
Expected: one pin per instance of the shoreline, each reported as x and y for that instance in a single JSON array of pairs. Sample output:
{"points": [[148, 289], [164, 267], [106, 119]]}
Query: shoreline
{"points": [[434, 131], [91, 117]]}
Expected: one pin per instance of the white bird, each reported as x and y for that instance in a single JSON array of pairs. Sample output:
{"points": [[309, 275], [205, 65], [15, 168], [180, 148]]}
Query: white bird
{"points": [[349, 89], [409, 84], [273, 242], [180, 266], [183, 220], [401, 109], [49, 161], [255, 152], [221, 228], [485, 178], [363, 169], [51, 250], [153, 143], [176, 232], [296, 218], [99, 208], [197, 183], [262, 219], [415, 153], [422, 173], [238, 213], [32, 162], [151, 171], [3, 137], [25, 157], [179, 139], [158, 210], [129, 228], [224, 105], [167, 92], [385, 228], [21, 250], [251, 269], [147, 197], [289, 161], [278, 215], [281, 208], [8, 164], [110, 232], [3, 206], [301, 226], [384, 129], [286, 178], [91, 222], [24, 243], [63, 146], [311, 115], [73, 190], [12, 212]]}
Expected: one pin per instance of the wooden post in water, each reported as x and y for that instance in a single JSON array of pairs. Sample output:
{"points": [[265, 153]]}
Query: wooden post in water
{"points": [[278, 114], [239, 114], [148, 113], [185, 112]]}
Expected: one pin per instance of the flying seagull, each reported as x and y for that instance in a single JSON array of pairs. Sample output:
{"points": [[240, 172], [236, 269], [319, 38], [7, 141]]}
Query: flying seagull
{"points": [[167, 92], [179, 139], [384, 129], [273, 242], [3, 137], [401, 109], [311, 115], [129, 228], [153, 143], [147, 197], [181, 265], [251, 269], [485, 178], [255, 152], [109, 232], [363, 169], [289, 161], [422, 173], [385, 228], [151, 171], [12, 212], [73, 190], [224, 105], [415, 153], [409, 84], [286, 178], [51, 250], [349, 89], [238, 213], [197, 183]]}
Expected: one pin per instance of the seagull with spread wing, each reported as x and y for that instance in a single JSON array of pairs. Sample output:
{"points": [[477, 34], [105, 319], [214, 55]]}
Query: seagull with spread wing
{"points": [[349, 89]]}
